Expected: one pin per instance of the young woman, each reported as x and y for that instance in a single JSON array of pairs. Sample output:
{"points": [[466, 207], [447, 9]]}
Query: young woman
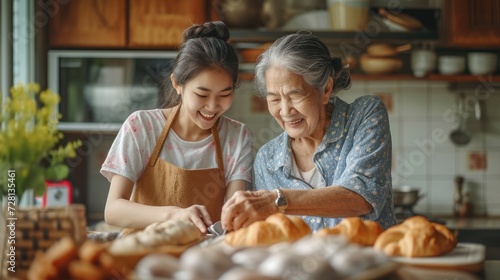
{"points": [[184, 161]]}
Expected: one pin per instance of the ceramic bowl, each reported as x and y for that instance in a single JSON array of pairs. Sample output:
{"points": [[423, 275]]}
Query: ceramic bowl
{"points": [[451, 64], [423, 62], [482, 63], [115, 103]]}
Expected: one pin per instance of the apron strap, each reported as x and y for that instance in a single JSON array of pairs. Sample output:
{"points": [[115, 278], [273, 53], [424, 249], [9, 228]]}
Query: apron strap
{"points": [[218, 149], [163, 136]]}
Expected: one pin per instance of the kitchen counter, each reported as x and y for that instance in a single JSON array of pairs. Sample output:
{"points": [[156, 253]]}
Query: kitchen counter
{"points": [[479, 223], [483, 230]]}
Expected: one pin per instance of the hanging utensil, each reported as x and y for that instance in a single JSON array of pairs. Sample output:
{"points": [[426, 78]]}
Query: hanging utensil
{"points": [[477, 109], [459, 136]]}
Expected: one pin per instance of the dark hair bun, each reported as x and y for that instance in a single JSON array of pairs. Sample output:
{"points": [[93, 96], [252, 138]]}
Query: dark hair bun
{"points": [[215, 29], [337, 64]]}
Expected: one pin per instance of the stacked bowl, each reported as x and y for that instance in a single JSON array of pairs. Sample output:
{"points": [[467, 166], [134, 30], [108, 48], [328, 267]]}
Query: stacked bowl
{"points": [[482, 63]]}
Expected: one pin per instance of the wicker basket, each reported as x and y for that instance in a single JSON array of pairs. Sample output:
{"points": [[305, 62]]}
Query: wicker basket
{"points": [[36, 229]]}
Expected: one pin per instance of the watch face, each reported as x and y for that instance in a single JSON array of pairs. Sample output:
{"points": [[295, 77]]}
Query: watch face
{"points": [[281, 201]]}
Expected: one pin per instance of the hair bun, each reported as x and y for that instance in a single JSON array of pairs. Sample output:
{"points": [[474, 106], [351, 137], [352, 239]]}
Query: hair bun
{"points": [[216, 29], [337, 63]]}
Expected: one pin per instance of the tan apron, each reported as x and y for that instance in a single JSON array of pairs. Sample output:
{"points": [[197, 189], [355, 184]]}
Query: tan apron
{"points": [[163, 183]]}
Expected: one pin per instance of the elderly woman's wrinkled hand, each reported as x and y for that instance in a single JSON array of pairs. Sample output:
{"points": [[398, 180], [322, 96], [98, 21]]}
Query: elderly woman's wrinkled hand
{"points": [[246, 207]]}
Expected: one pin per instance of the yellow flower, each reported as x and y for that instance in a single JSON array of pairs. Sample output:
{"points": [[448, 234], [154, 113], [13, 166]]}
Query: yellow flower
{"points": [[29, 137]]}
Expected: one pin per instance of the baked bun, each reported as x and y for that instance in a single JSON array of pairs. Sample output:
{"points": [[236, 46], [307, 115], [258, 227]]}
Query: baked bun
{"points": [[276, 228], [416, 237], [172, 232], [355, 230]]}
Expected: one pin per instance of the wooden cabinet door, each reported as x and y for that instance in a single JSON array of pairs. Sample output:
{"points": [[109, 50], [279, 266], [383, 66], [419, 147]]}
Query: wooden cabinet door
{"points": [[89, 23], [473, 23], [160, 23]]}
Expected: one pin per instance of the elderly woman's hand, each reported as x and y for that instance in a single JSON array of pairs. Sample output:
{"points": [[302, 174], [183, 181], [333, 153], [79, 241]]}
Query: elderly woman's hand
{"points": [[246, 207]]}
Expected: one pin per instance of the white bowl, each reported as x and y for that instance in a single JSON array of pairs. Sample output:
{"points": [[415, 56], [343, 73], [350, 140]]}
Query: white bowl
{"points": [[313, 20], [482, 63], [115, 103], [451, 65]]}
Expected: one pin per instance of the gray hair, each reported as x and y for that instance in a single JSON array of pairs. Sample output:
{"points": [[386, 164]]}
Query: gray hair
{"points": [[305, 55]]}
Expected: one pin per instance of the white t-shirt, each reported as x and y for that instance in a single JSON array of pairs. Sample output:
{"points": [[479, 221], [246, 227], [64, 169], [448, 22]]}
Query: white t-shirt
{"points": [[311, 177], [137, 139]]}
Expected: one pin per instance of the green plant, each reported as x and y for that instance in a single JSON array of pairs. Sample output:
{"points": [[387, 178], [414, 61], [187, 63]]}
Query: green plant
{"points": [[29, 139]]}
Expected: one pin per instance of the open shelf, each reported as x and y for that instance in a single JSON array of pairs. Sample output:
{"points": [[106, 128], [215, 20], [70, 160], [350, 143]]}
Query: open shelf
{"points": [[463, 78], [329, 37], [375, 30]]}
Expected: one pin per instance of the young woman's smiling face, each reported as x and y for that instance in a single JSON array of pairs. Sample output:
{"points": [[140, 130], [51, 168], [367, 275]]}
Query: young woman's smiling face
{"points": [[296, 106], [205, 98]]}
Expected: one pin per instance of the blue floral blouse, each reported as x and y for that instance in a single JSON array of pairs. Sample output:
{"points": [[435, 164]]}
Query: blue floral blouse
{"points": [[355, 153]]}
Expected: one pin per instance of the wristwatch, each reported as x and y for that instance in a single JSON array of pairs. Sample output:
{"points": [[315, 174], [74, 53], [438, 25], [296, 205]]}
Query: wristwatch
{"points": [[280, 201]]}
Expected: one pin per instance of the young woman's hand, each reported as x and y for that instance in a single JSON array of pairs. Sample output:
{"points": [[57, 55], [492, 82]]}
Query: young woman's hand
{"points": [[197, 214]]}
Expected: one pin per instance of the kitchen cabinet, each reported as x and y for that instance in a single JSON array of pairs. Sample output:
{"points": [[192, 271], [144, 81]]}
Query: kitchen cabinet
{"points": [[152, 23], [473, 23], [82, 23], [126, 24]]}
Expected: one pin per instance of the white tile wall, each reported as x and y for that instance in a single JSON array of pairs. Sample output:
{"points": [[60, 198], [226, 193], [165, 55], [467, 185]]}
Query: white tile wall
{"points": [[492, 195], [424, 114]]}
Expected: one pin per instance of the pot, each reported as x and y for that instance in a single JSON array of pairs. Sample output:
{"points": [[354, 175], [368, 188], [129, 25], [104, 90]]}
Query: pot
{"points": [[380, 65], [406, 197], [385, 50], [241, 13]]}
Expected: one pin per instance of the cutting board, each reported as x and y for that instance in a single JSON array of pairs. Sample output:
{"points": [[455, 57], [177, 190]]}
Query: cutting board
{"points": [[465, 257]]}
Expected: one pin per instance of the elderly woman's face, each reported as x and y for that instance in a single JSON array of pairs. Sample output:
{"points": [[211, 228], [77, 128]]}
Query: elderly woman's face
{"points": [[296, 106]]}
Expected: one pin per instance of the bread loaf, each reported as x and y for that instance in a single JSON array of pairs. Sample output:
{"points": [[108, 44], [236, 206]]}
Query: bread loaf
{"points": [[355, 230], [416, 237], [64, 260], [172, 232], [276, 228]]}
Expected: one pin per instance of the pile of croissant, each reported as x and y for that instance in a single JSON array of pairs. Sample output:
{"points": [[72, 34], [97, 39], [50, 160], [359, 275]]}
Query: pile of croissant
{"points": [[415, 237]]}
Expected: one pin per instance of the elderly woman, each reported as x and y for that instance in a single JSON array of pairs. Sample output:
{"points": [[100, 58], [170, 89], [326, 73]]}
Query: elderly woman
{"points": [[333, 159]]}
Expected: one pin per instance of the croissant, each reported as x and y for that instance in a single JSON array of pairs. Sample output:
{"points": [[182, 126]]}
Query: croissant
{"points": [[276, 228], [355, 230], [171, 232], [416, 237]]}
